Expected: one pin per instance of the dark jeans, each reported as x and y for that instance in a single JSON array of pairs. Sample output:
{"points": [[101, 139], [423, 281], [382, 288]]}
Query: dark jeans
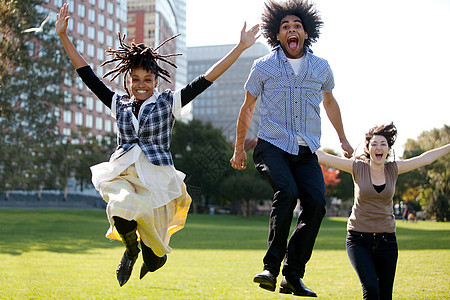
{"points": [[374, 258], [292, 177]]}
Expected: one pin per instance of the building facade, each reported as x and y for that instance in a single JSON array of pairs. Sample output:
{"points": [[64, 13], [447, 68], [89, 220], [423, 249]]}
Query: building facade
{"points": [[93, 27], [221, 102], [154, 21]]}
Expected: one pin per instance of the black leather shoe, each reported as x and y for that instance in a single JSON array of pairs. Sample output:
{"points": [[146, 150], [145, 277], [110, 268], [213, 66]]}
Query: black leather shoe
{"points": [[295, 286], [145, 269], [266, 280], [124, 268]]}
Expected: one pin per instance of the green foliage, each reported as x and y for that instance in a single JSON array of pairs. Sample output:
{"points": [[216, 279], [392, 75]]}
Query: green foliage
{"points": [[202, 153], [31, 73], [430, 184]]}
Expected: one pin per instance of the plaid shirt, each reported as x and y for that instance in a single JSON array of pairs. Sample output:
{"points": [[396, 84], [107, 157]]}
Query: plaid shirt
{"points": [[290, 103], [155, 129]]}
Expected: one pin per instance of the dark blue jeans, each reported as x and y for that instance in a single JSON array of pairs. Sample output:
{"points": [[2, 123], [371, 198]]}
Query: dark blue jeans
{"points": [[374, 258], [292, 177]]}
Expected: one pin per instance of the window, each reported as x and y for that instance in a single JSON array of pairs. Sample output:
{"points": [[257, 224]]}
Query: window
{"points": [[67, 117], [91, 32], [80, 46], [109, 24], [109, 40], [92, 2], [67, 97], [91, 15], [79, 82], [101, 37], [68, 79], [81, 10], [110, 8], [108, 125], [101, 4], [99, 106], [78, 118], [117, 27], [100, 54], [90, 50], [81, 28], [89, 121], [79, 99], [99, 123], [101, 20], [89, 103]]}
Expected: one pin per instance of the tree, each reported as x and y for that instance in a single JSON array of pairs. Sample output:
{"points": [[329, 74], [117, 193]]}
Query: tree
{"points": [[201, 152], [31, 73], [429, 184]]}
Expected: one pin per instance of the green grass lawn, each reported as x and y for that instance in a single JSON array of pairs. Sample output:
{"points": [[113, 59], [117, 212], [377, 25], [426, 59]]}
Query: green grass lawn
{"points": [[63, 254]]}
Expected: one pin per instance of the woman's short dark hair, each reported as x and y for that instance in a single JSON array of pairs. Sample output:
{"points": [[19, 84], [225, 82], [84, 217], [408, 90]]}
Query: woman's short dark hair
{"points": [[274, 12], [389, 131]]}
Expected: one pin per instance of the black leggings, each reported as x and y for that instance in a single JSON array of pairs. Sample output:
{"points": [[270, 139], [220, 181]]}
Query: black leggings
{"points": [[124, 226], [151, 259]]}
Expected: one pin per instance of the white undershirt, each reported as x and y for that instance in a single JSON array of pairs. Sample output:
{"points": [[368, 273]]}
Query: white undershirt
{"points": [[295, 64]]}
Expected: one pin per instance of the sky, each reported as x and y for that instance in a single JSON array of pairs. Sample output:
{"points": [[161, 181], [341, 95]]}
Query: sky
{"points": [[390, 59]]}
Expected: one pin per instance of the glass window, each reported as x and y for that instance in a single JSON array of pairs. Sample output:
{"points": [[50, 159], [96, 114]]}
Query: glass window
{"points": [[81, 28], [67, 116], [91, 15], [101, 20], [89, 121], [99, 106], [81, 10], [79, 99], [109, 40], [78, 118], [99, 123], [80, 46], [67, 96], [91, 32], [91, 50], [100, 54], [109, 24], [100, 37], [110, 8], [101, 4], [108, 125], [89, 103]]}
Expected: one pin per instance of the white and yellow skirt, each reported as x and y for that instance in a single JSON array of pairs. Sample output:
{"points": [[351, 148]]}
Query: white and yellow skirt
{"points": [[130, 199]]}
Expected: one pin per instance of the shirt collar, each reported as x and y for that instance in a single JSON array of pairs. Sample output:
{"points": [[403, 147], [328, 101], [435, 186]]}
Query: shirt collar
{"points": [[152, 98], [280, 51]]}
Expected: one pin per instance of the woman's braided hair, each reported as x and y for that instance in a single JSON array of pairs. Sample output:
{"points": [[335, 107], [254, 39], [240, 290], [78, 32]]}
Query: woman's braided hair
{"points": [[134, 56]]}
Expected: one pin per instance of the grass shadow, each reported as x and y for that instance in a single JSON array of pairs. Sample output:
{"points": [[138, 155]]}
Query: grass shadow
{"points": [[79, 231]]}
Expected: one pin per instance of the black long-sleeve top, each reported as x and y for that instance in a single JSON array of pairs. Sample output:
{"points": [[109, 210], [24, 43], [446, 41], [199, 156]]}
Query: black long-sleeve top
{"points": [[188, 93]]}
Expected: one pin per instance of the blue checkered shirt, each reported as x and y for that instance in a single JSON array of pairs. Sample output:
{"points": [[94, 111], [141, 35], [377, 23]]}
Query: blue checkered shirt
{"points": [[155, 129], [290, 103]]}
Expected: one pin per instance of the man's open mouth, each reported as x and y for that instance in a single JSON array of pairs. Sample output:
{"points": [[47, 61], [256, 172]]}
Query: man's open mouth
{"points": [[292, 42]]}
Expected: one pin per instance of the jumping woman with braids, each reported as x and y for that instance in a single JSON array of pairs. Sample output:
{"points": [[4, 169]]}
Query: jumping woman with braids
{"points": [[371, 241], [146, 195]]}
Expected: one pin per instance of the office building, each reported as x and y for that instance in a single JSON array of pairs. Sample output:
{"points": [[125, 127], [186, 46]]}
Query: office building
{"points": [[221, 102], [93, 26], [152, 22]]}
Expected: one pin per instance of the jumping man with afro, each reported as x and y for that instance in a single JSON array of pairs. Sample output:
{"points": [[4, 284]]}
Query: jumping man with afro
{"points": [[146, 195], [292, 82]]}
